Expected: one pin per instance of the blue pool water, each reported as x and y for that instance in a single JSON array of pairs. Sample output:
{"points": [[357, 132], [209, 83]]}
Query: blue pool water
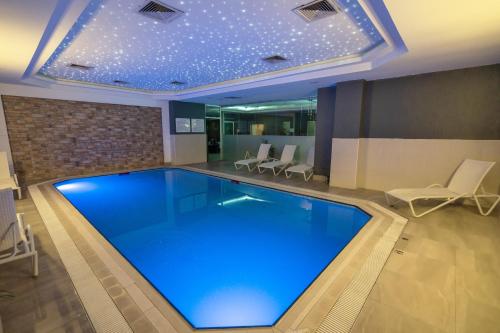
{"points": [[224, 254]]}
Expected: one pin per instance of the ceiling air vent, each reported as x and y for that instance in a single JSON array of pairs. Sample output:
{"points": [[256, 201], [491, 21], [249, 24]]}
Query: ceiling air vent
{"points": [[177, 83], [120, 82], [81, 67], [274, 59], [160, 12], [232, 97], [317, 10]]}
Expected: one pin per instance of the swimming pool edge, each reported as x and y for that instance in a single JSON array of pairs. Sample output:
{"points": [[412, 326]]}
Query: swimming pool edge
{"points": [[297, 317]]}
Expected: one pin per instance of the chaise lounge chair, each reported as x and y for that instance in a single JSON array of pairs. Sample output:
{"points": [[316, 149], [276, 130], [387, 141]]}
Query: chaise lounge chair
{"points": [[6, 179], [16, 239], [464, 184], [282, 164], [262, 156], [304, 169]]}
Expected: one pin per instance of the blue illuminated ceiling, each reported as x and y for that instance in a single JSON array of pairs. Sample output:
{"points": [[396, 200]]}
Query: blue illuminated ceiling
{"points": [[214, 41]]}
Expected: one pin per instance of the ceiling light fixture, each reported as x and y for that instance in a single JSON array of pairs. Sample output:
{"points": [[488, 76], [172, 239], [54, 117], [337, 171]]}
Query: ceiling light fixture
{"points": [[274, 59], [81, 67]]}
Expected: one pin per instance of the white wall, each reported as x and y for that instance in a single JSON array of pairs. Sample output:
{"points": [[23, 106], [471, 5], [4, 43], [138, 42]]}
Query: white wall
{"points": [[188, 148], [79, 94], [234, 146], [165, 123], [384, 164]]}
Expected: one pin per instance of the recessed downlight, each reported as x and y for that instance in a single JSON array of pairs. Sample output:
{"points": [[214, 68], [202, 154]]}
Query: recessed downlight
{"points": [[274, 59], [80, 67]]}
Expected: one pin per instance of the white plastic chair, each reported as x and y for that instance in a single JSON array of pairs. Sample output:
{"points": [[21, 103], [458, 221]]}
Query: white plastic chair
{"points": [[304, 169], [465, 183], [16, 239], [281, 164], [6, 179], [262, 156]]}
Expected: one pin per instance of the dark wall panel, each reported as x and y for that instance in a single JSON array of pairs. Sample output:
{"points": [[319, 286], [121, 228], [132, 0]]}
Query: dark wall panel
{"points": [[185, 110], [348, 109], [458, 104], [324, 130]]}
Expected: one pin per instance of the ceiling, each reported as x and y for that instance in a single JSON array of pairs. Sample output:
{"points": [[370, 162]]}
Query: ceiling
{"points": [[212, 42], [448, 35], [438, 35]]}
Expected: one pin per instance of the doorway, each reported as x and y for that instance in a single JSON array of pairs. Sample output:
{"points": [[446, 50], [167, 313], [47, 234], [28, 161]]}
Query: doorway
{"points": [[213, 127]]}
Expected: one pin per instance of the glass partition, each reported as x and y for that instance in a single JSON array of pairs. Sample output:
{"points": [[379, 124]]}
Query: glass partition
{"points": [[280, 122]]}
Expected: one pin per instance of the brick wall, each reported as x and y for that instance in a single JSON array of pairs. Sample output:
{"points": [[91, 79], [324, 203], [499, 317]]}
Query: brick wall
{"points": [[57, 138]]}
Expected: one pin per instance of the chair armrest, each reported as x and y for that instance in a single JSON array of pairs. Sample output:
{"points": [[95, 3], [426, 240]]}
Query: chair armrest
{"points": [[20, 219], [248, 155]]}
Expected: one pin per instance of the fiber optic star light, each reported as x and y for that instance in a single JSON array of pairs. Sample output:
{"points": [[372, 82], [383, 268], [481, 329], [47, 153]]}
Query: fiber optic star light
{"points": [[214, 41]]}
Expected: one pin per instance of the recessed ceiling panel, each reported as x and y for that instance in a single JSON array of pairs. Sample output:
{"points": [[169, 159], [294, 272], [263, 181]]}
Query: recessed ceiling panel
{"points": [[211, 42]]}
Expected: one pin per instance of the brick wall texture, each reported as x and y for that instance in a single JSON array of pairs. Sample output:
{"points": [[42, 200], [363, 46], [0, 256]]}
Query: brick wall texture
{"points": [[57, 138]]}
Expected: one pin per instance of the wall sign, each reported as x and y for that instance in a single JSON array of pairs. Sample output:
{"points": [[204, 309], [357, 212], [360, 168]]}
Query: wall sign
{"points": [[182, 125], [198, 125]]}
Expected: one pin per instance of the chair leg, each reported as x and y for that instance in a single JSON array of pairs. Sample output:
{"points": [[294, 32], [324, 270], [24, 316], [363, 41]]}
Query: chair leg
{"points": [[34, 262], [308, 177], [288, 175], [388, 200], [480, 208], [280, 169], [19, 195]]}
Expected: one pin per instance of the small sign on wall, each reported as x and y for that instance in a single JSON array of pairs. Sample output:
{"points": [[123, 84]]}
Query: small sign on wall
{"points": [[198, 125], [182, 125]]}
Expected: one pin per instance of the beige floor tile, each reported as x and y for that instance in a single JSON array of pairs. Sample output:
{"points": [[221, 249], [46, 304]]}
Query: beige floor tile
{"points": [[428, 248], [483, 287], [430, 272], [474, 316], [417, 299], [379, 318]]}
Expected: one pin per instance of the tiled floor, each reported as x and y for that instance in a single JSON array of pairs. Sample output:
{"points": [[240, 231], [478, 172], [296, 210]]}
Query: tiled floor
{"points": [[443, 276], [47, 303]]}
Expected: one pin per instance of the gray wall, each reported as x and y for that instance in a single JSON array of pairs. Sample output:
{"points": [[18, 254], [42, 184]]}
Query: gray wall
{"points": [[458, 104], [324, 130], [185, 110], [349, 109]]}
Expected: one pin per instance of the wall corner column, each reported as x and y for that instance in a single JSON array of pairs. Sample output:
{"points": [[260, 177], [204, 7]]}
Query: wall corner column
{"points": [[347, 131], [167, 139]]}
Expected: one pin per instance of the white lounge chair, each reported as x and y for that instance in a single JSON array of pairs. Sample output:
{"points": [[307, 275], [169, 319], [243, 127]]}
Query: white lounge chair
{"points": [[262, 156], [16, 239], [6, 179], [282, 164], [465, 183], [304, 169]]}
